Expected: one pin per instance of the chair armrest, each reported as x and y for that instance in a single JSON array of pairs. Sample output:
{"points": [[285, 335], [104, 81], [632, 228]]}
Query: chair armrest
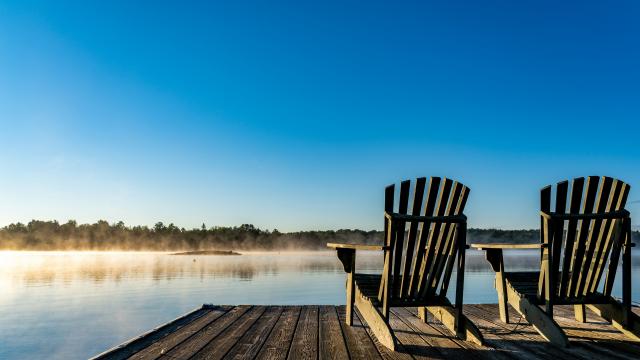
{"points": [[502, 246], [356, 246], [347, 253]]}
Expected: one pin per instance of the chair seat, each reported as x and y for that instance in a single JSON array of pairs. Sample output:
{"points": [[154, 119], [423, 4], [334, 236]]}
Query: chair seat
{"points": [[368, 284], [525, 282]]}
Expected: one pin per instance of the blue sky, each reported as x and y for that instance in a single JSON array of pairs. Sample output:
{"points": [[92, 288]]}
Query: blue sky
{"points": [[295, 116]]}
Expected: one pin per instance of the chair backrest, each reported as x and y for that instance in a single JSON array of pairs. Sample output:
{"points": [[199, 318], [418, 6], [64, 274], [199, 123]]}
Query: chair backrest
{"points": [[584, 235], [422, 251]]}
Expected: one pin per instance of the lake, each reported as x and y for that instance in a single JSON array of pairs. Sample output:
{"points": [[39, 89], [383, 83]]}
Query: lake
{"points": [[73, 305]]}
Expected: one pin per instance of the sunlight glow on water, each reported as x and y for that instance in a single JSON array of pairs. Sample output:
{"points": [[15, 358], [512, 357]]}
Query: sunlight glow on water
{"points": [[73, 305]]}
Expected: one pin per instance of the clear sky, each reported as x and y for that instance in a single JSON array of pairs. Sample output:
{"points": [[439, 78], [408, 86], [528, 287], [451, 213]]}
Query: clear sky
{"points": [[295, 115]]}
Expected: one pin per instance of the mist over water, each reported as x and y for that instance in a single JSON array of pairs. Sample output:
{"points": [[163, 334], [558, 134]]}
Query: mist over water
{"points": [[72, 305]]}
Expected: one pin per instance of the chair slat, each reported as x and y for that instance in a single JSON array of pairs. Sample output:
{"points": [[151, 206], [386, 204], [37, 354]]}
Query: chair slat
{"points": [[434, 236], [545, 205], [432, 195], [558, 230], [451, 259], [442, 243], [608, 230], [616, 243], [398, 250], [583, 233], [418, 194], [577, 186], [452, 256], [446, 245], [389, 195], [595, 237]]}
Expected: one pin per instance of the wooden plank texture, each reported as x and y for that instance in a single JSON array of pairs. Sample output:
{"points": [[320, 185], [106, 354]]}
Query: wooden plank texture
{"points": [[169, 342], [399, 354], [359, 344], [139, 343], [196, 342], [279, 341], [523, 334], [510, 337], [219, 346], [251, 342], [443, 345], [331, 341], [320, 332], [305, 339]]}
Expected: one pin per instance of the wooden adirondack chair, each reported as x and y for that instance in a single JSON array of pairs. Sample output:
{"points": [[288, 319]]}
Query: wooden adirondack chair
{"points": [[419, 254], [577, 245]]}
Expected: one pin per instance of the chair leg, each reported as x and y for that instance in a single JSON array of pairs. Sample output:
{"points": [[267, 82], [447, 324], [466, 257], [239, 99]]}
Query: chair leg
{"points": [[350, 298], [460, 322], [580, 312], [494, 256], [502, 297], [626, 275], [422, 314]]}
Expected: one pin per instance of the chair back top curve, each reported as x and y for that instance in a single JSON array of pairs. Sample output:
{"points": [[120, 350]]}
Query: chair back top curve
{"points": [[422, 232], [584, 235]]}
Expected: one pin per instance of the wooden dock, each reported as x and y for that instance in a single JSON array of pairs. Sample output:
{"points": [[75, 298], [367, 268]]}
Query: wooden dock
{"points": [[319, 332]]}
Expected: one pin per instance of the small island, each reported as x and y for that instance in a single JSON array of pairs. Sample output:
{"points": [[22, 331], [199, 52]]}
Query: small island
{"points": [[208, 252]]}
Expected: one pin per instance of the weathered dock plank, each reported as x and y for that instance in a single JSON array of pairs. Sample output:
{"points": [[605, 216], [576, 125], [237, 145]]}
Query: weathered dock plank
{"points": [[305, 339], [249, 345], [400, 354], [196, 342], [411, 341], [358, 342], [331, 339], [129, 348], [439, 340], [320, 332], [219, 346], [166, 344], [279, 341], [517, 337]]}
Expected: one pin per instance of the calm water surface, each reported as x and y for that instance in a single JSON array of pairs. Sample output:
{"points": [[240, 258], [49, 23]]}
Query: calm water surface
{"points": [[72, 305]]}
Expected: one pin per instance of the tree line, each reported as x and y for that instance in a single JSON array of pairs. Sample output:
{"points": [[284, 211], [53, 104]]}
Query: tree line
{"points": [[52, 235]]}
